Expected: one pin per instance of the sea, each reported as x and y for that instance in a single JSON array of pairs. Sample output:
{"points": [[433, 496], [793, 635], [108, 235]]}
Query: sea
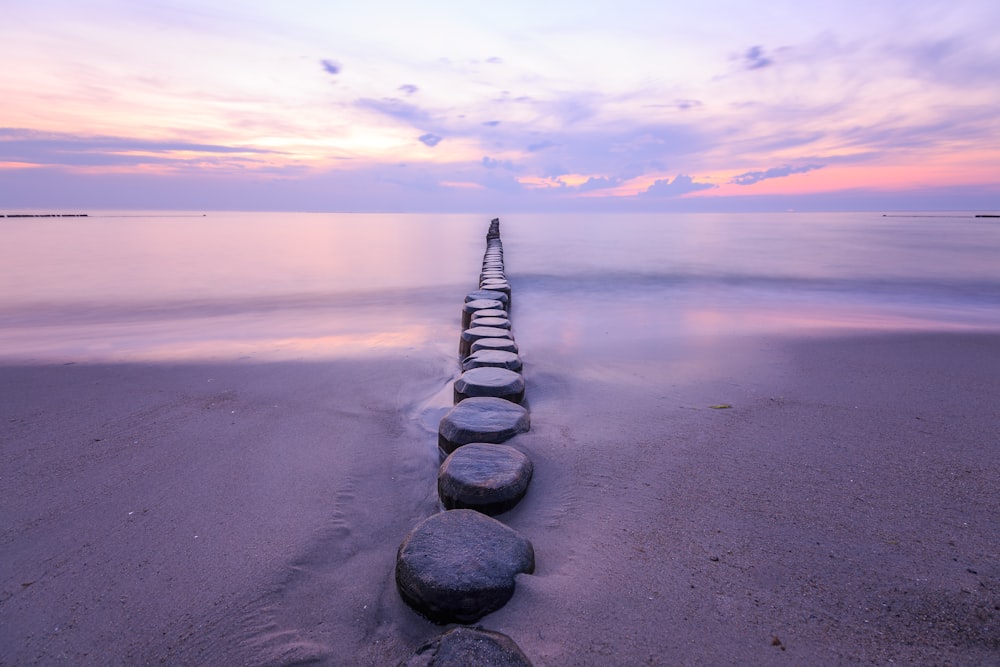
{"points": [[169, 286]]}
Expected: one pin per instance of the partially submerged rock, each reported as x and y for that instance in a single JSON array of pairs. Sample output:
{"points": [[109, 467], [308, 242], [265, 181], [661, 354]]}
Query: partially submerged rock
{"points": [[487, 478], [457, 566], [469, 647]]}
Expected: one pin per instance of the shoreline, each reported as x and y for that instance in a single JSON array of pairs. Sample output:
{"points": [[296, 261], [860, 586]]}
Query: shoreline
{"points": [[841, 511]]}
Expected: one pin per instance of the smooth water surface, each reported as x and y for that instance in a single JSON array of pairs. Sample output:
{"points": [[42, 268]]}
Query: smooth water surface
{"points": [[171, 285]]}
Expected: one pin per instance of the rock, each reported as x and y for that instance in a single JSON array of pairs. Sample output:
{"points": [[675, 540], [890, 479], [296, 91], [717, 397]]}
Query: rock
{"points": [[469, 647], [505, 344], [457, 566], [476, 305], [472, 334], [485, 321], [487, 478], [481, 419], [492, 359], [490, 381], [487, 294]]}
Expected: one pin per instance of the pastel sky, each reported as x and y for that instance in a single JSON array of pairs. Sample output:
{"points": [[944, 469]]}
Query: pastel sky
{"points": [[631, 105]]}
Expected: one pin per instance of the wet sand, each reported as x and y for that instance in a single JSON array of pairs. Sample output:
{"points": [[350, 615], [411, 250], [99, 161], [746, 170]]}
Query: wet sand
{"points": [[841, 511]]}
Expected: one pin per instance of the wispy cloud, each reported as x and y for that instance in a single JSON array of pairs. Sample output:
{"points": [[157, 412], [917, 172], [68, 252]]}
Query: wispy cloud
{"points": [[408, 89], [330, 66], [751, 177]]}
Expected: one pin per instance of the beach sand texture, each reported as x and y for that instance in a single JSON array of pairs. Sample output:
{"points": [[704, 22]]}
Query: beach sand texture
{"points": [[843, 510]]}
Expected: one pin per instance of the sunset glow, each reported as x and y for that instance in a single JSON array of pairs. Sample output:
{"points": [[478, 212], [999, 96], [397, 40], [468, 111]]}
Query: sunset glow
{"points": [[631, 105]]}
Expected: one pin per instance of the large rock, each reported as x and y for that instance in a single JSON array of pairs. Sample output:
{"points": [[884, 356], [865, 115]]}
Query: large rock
{"points": [[469, 647], [457, 566], [493, 359], [486, 419], [490, 381], [487, 478]]}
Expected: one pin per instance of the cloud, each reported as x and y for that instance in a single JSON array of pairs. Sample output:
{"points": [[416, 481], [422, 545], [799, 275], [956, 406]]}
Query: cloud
{"points": [[540, 146], [396, 108], [681, 185], [492, 163], [330, 66], [55, 148], [495, 60], [599, 183], [408, 89], [491, 123], [429, 139], [754, 58], [751, 177]]}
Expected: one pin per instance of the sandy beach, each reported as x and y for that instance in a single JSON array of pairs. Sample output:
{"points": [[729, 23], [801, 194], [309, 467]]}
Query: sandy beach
{"points": [[841, 511]]}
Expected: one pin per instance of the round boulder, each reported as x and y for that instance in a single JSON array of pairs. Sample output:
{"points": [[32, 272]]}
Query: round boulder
{"points": [[481, 419], [457, 566], [492, 359], [462, 647], [489, 381], [487, 478]]}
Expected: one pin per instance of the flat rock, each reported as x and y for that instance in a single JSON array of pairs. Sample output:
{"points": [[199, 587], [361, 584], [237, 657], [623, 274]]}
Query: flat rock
{"points": [[467, 647], [487, 294], [505, 344], [472, 334], [481, 419], [487, 321], [477, 305], [493, 359], [457, 566], [487, 478], [490, 381]]}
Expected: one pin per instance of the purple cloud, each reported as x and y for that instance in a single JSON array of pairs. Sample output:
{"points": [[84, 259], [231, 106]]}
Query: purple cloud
{"points": [[491, 123], [599, 183], [396, 108], [493, 163], [540, 146], [330, 66], [681, 185], [754, 58], [408, 89], [429, 139], [751, 177]]}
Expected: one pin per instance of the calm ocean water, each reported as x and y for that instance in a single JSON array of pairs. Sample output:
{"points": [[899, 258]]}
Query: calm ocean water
{"points": [[148, 285]]}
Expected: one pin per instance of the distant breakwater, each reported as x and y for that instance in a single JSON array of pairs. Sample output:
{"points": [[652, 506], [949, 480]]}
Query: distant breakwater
{"points": [[43, 215]]}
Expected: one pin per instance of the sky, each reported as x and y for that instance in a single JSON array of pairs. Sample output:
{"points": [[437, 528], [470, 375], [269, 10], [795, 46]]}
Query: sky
{"points": [[455, 106]]}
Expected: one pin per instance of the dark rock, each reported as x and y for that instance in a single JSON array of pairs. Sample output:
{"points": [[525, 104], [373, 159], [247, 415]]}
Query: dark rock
{"points": [[481, 419], [505, 344], [457, 566], [485, 321], [492, 359], [472, 334], [487, 478], [469, 647], [477, 305], [487, 294], [490, 381]]}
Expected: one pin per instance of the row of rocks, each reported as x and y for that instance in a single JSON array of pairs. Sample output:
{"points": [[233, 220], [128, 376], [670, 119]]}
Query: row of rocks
{"points": [[461, 564]]}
